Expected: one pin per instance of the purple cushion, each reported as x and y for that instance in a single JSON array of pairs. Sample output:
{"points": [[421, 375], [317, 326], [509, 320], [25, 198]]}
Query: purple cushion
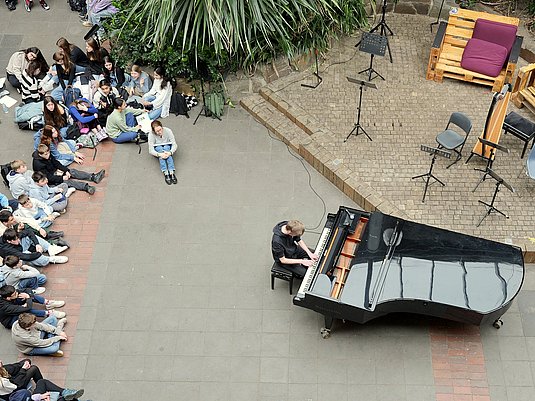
{"points": [[484, 57], [495, 32]]}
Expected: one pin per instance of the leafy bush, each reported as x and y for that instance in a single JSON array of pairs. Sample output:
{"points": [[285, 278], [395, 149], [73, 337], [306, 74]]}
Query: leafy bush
{"points": [[226, 35]]}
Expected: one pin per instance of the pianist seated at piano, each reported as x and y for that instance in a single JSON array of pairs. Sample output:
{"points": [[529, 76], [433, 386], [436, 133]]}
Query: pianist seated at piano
{"points": [[289, 249]]}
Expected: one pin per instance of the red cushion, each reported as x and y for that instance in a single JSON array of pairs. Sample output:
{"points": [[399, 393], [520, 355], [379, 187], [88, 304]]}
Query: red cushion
{"points": [[495, 32], [484, 57]]}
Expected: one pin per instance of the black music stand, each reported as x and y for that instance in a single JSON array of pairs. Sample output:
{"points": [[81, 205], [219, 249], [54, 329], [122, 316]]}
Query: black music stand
{"points": [[375, 45], [316, 73], [427, 176], [490, 206], [382, 26], [493, 146], [357, 128], [438, 16]]}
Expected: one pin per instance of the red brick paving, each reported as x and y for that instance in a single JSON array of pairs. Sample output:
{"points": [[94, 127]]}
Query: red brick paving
{"points": [[458, 363], [67, 281]]}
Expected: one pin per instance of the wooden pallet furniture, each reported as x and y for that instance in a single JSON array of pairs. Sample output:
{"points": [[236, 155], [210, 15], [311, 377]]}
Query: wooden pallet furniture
{"points": [[450, 42], [524, 88]]}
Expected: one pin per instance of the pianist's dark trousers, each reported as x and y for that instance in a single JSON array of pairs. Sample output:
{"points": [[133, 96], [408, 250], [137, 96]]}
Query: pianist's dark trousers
{"points": [[299, 270]]}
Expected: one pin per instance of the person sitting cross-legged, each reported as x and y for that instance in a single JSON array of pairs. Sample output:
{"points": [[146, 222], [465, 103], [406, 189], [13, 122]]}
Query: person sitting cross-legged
{"points": [[38, 338], [22, 276], [121, 124], [162, 144], [30, 248], [58, 173], [13, 303], [35, 209]]}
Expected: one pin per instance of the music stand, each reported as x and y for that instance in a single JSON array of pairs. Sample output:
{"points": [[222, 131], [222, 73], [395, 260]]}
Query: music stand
{"points": [[490, 206], [357, 128], [382, 26], [375, 45], [316, 73], [493, 146], [435, 152]]}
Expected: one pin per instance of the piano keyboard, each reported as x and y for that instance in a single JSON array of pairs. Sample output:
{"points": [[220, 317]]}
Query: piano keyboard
{"points": [[311, 271]]}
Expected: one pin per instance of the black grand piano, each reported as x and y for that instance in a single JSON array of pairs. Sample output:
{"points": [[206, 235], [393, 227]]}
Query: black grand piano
{"points": [[373, 264]]}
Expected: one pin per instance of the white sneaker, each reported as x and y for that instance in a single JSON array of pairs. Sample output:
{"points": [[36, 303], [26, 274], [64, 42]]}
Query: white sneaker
{"points": [[57, 314], [54, 250], [61, 323], [39, 290], [54, 304], [58, 259], [70, 191], [56, 214]]}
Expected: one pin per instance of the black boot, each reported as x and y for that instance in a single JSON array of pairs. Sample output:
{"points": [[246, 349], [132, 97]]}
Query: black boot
{"points": [[11, 5], [97, 177], [168, 180], [173, 178], [54, 234], [89, 189]]}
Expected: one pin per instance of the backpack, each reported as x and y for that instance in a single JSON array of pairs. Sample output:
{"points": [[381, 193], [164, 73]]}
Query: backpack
{"points": [[77, 5], [73, 132], [178, 105], [70, 94], [5, 169], [88, 140]]}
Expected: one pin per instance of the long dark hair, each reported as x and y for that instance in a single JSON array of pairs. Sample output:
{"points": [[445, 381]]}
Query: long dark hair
{"points": [[67, 63], [95, 54], [165, 79], [55, 117], [39, 58]]}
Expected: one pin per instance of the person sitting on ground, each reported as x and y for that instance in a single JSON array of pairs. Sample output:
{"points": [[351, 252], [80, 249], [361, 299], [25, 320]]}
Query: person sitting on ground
{"points": [[44, 390], [55, 115], [22, 277], [103, 100], [19, 224], [38, 338], [20, 373], [137, 83], [162, 144], [98, 10], [19, 244], [83, 111], [55, 197], [113, 73], [8, 204], [19, 62], [63, 73], [289, 249], [19, 178], [63, 150], [9, 391], [95, 54], [13, 303], [74, 53], [29, 84], [159, 96], [121, 125], [35, 209], [58, 173]]}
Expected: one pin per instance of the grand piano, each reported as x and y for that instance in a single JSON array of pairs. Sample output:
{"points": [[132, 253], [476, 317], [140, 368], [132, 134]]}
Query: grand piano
{"points": [[373, 264]]}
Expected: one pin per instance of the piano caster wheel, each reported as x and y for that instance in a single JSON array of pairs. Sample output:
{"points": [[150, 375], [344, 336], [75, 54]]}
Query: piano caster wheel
{"points": [[497, 323], [325, 333]]}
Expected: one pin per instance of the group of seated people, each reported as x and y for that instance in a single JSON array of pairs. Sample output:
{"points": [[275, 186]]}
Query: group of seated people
{"points": [[109, 110]]}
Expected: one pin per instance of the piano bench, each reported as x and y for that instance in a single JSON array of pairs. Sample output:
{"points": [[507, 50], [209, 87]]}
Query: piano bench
{"points": [[520, 127], [283, 273]]}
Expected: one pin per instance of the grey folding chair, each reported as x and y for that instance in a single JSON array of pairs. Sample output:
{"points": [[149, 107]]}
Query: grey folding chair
{"points": [[452, 140]]}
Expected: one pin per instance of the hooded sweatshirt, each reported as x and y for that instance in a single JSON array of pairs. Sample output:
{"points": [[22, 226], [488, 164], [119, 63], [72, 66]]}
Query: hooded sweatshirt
{"points": [[13, 275], [19, 183]]}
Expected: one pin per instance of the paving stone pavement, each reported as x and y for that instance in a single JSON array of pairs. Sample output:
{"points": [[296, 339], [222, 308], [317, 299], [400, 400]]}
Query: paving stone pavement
{"points": [[174, 301]]}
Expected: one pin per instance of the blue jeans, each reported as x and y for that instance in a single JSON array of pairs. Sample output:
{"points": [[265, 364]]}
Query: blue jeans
{"points": [[37, 312], [41, 260], [32, 282], [165, 164], [127, 136], [41, 213], [154, 113], [53, 321]]}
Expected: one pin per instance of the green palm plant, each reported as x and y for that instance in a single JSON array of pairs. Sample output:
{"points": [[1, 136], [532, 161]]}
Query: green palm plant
{"points": [[246, 31]]}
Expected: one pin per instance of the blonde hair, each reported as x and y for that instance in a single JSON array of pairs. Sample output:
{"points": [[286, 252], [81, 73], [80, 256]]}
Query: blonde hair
{"points": [[295, 227], [16, 164]]}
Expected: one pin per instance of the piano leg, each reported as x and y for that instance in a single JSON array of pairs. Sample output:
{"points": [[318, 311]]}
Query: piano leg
{"points": [[497, 323], [326, 331]]}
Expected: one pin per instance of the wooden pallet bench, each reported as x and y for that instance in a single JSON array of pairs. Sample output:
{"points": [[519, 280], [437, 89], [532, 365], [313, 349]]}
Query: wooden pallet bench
{"points": [[524, 88], [448, 47]]}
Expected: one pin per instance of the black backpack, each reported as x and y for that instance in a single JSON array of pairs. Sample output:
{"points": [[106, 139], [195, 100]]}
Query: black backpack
{"points": [[73, 132], [178, 105], [5, 169], [77, 5]]}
